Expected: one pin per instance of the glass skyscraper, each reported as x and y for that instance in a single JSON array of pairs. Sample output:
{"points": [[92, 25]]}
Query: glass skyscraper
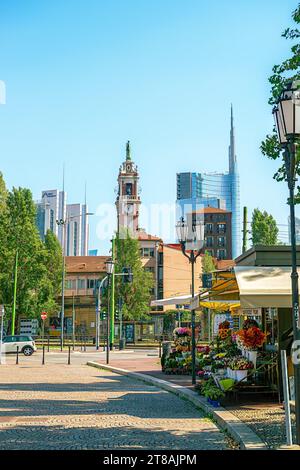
{"points": [[220, 190]]}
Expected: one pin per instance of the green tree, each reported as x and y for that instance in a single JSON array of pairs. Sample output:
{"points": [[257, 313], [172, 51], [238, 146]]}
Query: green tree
{"points": [[288, 70], [264, 228], [136, 295], [38, 262], [208, 264]]}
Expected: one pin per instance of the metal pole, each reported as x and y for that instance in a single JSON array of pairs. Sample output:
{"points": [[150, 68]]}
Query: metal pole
{"points": [[48, 343], [288, 424], [107, 327], [43, 359], [245, 230], [13, 320], [112, 299], [17, 358], [43, 332], [63, 287], [290, 166], [193, 321], [69, 356], [73, 324], [1, 334]]}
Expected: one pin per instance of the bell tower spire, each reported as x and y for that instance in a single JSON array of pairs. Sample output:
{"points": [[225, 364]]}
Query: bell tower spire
{"points": [[128, 199]]}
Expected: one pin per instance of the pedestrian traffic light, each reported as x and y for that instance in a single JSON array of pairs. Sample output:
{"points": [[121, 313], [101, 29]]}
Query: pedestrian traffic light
{"points": [[127, 275]]}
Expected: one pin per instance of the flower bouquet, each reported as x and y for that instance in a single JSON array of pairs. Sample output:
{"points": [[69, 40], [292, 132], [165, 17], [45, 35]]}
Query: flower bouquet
{"points": [[182, 331], [251, 339]]}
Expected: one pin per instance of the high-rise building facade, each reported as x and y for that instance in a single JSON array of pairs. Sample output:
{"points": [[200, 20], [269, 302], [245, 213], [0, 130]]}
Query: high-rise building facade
{"points": [[219, 190], [74, 233]]}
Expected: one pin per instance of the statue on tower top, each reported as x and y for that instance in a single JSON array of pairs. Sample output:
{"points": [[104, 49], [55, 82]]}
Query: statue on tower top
{"points": [[128, 152]]}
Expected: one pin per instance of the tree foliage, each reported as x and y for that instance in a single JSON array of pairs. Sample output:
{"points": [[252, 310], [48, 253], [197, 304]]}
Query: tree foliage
{"points": [[283, 73], [264, 228], [135, 296], [208, 264], [39, 263]]}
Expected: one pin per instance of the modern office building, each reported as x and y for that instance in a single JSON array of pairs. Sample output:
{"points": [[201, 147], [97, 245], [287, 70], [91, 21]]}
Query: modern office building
{"points": [[52, 207], [219, 190], [217, 231]]}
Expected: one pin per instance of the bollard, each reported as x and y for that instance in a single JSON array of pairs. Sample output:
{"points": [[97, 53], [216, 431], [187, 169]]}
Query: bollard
{"points": [[17, 358], [81, 345], [84, 344], [48, 344], [69, 356], [43, 359]]}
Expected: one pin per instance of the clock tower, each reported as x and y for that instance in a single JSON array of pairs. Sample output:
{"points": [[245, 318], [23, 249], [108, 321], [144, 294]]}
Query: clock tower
{"points": [[128, 199]]}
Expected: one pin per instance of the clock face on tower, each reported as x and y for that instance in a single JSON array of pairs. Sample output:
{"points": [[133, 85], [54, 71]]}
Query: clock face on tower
{"points": [[128, 168]]}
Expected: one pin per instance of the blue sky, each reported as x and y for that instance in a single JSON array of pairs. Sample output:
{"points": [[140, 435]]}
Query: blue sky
{"points": [[84, 76]]}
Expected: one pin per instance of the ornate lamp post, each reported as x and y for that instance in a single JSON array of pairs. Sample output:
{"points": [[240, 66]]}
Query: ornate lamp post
{"points": [[190, 237], [287, 119], [110, 264]]}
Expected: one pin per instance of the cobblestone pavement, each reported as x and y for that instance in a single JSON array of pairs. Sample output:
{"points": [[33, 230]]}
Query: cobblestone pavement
{"points": [[57, 406]]}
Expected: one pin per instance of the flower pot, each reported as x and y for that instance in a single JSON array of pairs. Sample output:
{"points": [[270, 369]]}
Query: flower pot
{"points": [[240, 374], [252, 356], [214, 403]]}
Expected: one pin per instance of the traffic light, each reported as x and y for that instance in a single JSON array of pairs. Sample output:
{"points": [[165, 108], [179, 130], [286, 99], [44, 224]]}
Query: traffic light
{"points": [[103, 315], [127, 275]]}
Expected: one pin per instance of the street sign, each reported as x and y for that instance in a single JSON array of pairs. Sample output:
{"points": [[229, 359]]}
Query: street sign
{"points": [[44, 316]]}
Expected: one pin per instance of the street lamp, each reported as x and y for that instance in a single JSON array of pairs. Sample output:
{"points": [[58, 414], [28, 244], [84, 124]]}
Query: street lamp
{"points": [[190, 237], [109, 270], [287, 119]]}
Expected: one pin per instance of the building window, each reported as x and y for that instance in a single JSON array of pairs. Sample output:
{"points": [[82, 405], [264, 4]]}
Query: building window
{"points": [[221, 254], [149, 269], [210, 252], [91, 283], [52, 220], [221, 241], [208, 228], [70, 284], [128, 189], [221, 228], [81, 283], [75, 238], [147, 252], [209, 242]]}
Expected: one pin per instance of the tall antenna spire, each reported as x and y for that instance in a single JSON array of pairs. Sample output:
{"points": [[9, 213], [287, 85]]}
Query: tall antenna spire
{"points": [[232, 155]]}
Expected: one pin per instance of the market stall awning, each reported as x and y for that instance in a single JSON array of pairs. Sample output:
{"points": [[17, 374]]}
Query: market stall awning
{"points": [[180, 300], [264, 286], [220, 305]]}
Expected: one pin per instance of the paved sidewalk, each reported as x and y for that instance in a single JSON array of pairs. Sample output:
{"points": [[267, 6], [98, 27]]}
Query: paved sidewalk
{"points": [[57, 406], [266, 419]]}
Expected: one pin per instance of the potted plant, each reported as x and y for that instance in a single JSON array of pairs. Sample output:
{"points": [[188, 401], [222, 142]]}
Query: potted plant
{"points": [[252, 339], [240, 366], [213, 395]]}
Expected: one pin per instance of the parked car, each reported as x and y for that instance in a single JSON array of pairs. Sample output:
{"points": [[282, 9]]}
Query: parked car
{"points": [[26, 344]]}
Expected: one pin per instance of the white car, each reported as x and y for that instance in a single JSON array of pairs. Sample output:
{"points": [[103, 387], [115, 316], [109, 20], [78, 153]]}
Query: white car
{"points": [[25, 343]]}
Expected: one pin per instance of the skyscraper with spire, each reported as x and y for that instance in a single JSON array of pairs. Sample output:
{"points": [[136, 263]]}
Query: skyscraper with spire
{"points": [[219, 190]]}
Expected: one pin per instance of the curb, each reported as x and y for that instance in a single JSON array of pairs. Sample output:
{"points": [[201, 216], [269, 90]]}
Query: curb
{"points": [[239, 431]]}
